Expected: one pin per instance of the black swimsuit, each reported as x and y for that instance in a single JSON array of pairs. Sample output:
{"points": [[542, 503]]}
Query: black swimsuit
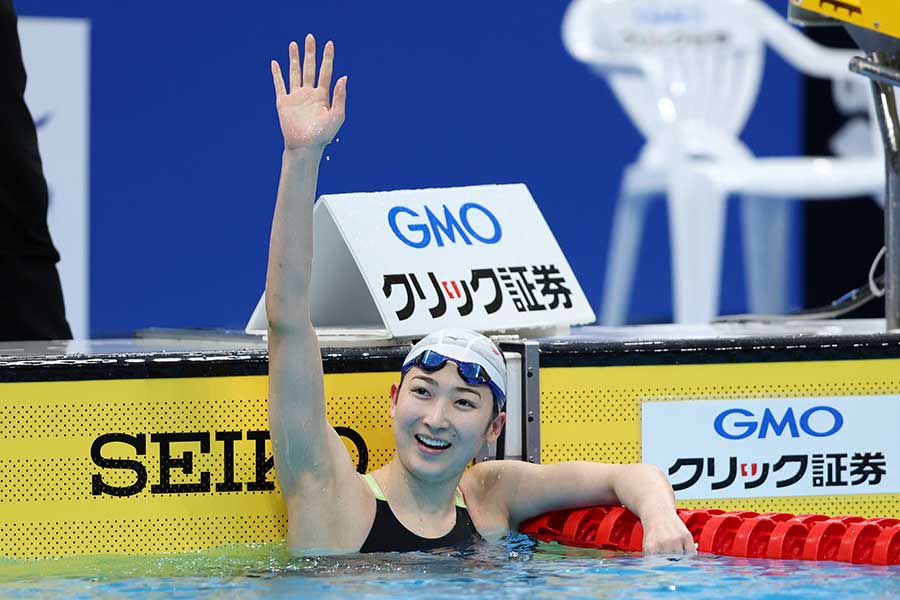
{"points": [[389, 535]]}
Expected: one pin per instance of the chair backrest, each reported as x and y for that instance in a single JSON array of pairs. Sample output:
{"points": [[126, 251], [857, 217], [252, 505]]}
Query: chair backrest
{"points": [[860, 135], [689, 65]]}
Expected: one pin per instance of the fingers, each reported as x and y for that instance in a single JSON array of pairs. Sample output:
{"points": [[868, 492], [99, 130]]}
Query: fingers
{"points": [[340, 95], [298, 78], [687, 545], [309, 61], [675, 545], [278, 80], [294, 71], [327, 64]]}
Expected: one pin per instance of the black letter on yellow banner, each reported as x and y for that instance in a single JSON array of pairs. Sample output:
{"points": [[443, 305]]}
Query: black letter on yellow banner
{"points": [[360, 444], [139, 443], [228, 438], [264, 464], [185, 463]]}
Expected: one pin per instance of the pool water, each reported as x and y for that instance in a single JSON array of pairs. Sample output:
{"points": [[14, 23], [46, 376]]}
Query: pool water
{"points": [[519, 567]]}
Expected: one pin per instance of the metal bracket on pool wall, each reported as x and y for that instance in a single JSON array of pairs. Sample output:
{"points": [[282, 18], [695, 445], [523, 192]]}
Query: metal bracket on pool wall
{"points": [[530, 385], [531, 396], [521, 437]]}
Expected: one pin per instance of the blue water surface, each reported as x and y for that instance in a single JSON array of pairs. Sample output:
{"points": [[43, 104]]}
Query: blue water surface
{"points": [[517, 568]]}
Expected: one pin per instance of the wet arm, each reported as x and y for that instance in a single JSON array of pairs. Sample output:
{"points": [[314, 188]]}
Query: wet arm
{"points": [[528, 490], [304, 443]]}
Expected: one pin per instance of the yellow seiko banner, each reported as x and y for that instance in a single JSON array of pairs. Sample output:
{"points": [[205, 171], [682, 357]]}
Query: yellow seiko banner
{"points": [[882, 16], [139, 466], [158, 465], [594, 413]]}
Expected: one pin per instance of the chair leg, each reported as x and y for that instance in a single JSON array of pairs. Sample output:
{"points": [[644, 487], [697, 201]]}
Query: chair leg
{"points": [[697, 227], [765, 226], [625, 243]]}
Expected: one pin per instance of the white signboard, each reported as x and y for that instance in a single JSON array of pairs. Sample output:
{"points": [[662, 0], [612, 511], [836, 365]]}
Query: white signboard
{"points": [[56, 54], [775, 447], [412, 261]]}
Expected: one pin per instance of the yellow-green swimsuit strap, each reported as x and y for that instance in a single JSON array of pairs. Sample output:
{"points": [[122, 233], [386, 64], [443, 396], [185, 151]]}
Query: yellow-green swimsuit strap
{"points": [[379, 495], [376, 489]]}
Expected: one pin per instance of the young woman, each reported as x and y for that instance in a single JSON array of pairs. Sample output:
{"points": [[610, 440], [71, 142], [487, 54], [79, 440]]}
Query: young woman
{"points": [[448, 403]]}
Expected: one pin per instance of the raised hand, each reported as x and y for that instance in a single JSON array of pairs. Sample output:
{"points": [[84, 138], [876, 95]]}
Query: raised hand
{"points": [[309, 117]]}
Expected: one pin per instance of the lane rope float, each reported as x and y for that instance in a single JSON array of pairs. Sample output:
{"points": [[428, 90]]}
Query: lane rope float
{"points": [[737, 533]]}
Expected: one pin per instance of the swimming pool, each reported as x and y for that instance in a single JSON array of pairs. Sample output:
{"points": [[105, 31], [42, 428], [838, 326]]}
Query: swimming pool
{"points": [[519, 567]]}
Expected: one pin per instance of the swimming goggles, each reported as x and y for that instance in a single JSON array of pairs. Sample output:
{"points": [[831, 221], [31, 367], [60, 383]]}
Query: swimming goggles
{"points": [[470, 372]]}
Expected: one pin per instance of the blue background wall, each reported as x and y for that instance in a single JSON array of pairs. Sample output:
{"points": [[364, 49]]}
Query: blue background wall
{"points": [[185, 145]]}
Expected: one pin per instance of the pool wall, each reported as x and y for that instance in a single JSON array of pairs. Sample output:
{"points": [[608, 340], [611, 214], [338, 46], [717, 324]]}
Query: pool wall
{"points": [[138, 453]]}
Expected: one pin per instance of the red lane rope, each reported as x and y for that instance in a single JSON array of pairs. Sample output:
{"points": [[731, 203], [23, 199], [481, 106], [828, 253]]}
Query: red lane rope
{"points": [[736, 533]]}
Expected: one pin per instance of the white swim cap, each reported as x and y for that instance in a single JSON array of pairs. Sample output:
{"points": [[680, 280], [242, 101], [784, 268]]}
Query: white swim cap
{"points": [[464, 345]]}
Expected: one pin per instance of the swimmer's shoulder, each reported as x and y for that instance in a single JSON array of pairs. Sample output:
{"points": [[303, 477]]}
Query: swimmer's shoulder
{"points": [[486, 487], [491, 476]]}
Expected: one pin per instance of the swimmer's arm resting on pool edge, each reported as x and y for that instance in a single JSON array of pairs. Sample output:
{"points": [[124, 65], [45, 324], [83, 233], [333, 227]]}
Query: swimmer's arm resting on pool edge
{"points": [[317, 477], [524, 490]]}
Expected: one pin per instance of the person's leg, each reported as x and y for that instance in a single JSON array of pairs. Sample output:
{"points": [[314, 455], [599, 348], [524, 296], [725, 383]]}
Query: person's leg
{"points": [[31, 303]]}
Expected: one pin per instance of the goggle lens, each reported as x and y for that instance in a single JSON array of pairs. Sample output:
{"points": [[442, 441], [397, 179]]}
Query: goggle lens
{"points": [[471, 373]]}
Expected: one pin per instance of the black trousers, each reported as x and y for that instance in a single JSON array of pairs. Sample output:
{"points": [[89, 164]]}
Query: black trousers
{"points": [[31, 301]]}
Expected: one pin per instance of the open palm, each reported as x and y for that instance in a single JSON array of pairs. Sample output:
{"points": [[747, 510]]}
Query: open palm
{"points": [[309, 117]]}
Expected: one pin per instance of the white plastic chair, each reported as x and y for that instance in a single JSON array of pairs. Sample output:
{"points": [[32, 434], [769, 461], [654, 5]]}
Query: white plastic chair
{"points": [[687, 73]]}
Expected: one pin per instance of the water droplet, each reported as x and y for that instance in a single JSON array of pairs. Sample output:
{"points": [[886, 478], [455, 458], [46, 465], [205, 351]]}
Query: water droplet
{"points": [[672, 588], [327, 157], [336, 140]]}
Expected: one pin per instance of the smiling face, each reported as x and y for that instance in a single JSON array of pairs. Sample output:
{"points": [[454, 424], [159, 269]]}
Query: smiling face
{"points": [[441, 422]]}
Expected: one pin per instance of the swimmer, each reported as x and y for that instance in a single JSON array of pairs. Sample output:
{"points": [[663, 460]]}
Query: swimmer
{"points": [[448, 403]]}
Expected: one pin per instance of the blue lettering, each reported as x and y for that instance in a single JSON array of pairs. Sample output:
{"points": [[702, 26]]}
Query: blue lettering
{"points": [[447, 228], [392, 221], [738, 430], [748, 426], [788, 420], [464, 217], [418, 234], [835, 427]]}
